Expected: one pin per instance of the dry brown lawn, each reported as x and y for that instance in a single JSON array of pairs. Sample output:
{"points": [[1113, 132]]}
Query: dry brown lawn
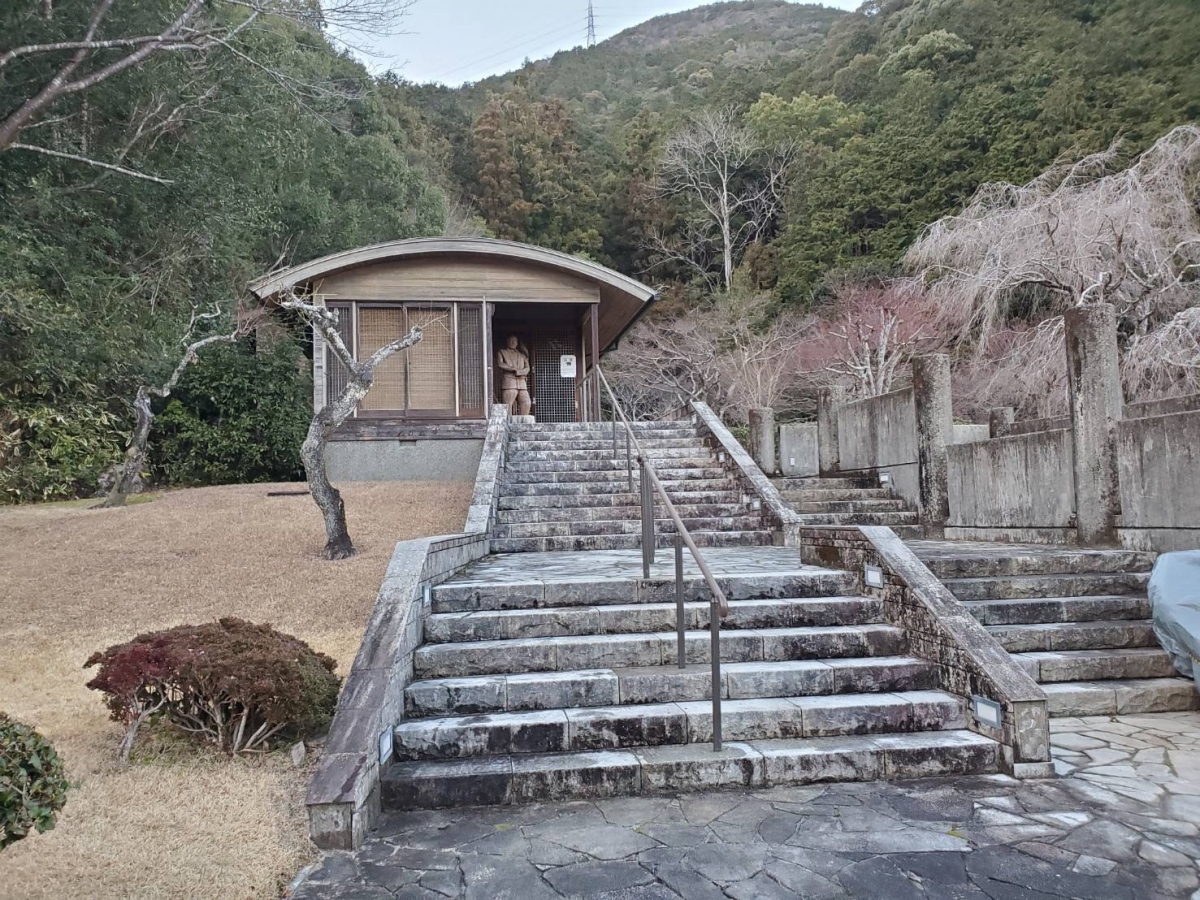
{"points": [[179, 822]]}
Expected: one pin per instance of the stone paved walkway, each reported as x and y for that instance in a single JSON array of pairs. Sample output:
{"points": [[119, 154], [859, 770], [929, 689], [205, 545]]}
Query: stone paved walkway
{"points": [[1120, 823]]}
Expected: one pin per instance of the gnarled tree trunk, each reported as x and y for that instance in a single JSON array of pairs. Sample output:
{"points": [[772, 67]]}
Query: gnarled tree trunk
{"points": [[360, 377]]}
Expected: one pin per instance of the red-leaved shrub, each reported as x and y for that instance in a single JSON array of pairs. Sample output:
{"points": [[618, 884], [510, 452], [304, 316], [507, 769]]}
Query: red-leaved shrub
{"points": [[232, 682]]}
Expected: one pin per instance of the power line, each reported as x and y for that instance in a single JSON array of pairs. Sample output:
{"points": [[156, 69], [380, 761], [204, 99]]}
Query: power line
{"points": [[508, 50]]}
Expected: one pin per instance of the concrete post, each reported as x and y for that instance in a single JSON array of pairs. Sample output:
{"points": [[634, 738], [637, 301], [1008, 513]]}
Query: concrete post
{"points": [[935, 423], [829, 399], [1094, 387], [998, 417], [762, 438]]}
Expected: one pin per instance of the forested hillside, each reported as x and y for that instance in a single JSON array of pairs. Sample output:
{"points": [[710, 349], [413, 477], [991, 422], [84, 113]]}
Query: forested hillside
{"points": [[897, 111], [279, 145]]}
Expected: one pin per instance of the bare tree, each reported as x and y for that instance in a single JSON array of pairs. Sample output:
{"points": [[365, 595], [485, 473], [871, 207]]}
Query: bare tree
{"points": [[728, 353], [96, 54], [360, 375], [126, 475], [731, 184], [1084, 232]]}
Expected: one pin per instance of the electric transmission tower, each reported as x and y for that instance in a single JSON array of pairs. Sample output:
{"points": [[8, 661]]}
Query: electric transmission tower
{"points": [[591, 19]]}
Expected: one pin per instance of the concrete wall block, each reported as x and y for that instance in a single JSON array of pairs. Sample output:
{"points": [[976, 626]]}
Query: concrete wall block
{"points": [[829, 400], [877, 432], [798, 449], [1024, 481], [762, 438], [932, 402], [1158, 459]]}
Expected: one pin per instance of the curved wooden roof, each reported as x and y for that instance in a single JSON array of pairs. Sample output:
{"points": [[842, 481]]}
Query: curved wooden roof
{"points": [[274, 282]]}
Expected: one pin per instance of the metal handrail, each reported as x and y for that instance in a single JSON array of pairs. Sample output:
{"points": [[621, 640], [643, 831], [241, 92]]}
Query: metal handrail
{"points": [[718, 605]]}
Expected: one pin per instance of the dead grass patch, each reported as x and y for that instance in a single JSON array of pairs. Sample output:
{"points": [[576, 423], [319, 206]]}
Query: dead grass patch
{"points": [[76, 580]]}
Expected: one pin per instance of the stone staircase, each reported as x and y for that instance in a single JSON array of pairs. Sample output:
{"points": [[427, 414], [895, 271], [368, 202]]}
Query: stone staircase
{"points": [[1078, 620], [564, 490], [848, 500], [539, 688]]}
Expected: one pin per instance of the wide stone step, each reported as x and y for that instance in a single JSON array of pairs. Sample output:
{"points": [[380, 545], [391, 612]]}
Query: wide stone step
{"points": [[599, 465], [604, 453], [1095, 665], [807, 495], [560, 654], [628, 541], [583, 513], [906, 517], [655, 724], [604, 442], [807, 482], [619, 488], [615, 474], [561, 428], [1015, 587], [1128, 697], [949, 561], [661, 684], [1075, 636], [596, 525], [634, 618], [523, 778], [849, 506], [683, 496], [1040, 610], [465, 595], [908, 532], [603, 433]]}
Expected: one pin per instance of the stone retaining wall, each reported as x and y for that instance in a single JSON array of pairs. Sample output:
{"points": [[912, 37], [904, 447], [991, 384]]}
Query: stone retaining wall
{"points": [[969, 661], [749, 476], [343, 799]]}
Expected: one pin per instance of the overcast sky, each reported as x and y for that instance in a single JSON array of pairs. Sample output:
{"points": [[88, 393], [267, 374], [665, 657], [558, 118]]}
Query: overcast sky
{"points": [[453, 41]]}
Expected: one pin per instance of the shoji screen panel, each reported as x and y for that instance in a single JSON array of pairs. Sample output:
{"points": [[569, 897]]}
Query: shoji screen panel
{"points": [[431, 375], [378, 326]]}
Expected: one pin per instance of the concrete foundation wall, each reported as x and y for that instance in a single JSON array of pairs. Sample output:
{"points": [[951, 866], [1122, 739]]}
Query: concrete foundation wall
{"points": [[967, 434], [1021, 482], [1158, 460], [419, 460], [798, 449], [879, 434]]}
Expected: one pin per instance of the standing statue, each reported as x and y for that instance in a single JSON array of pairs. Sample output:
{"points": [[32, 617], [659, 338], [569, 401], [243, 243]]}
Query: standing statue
{"points": [[514, 372]]}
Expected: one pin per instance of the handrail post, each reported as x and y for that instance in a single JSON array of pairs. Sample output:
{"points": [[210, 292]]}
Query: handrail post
{"points": [[648, 538], [679, 600], [714, 630]]}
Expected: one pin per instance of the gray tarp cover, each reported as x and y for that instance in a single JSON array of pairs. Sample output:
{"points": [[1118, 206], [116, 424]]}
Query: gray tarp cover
{"points": [[1175, 601]]}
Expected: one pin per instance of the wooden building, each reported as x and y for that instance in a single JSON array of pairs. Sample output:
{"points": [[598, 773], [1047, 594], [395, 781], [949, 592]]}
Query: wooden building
{"points": [[425, 415]]}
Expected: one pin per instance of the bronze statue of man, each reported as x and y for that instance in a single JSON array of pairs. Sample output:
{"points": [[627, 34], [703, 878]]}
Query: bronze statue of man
{"points": [[514, 373]]}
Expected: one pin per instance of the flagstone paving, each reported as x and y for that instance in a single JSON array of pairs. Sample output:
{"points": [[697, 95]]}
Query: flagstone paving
{"points": [[1121, 822]]}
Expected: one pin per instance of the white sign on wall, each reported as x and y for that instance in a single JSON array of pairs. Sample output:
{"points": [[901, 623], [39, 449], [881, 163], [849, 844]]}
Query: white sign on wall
{"points": [[566, 365]]}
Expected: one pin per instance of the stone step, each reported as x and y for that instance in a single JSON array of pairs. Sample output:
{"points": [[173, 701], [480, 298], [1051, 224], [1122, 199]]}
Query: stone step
{"points": [[634, 618], [561, 428], [1015, 560], [561, 654], [524, 778], [1016, 587], [604, 465], [464, 595], [906, 517], [680, 497], [604, 433], [850, 506], [1095, 665], [908, 532], [813, 495], [628, 541], [1127, 697], [583, 513], [626, 526], [609, 488], [1075, 636], [691, 722], [813, 481], [662, 684], [650, 444], [616, 474], [1041, 610], [603, 454]]}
